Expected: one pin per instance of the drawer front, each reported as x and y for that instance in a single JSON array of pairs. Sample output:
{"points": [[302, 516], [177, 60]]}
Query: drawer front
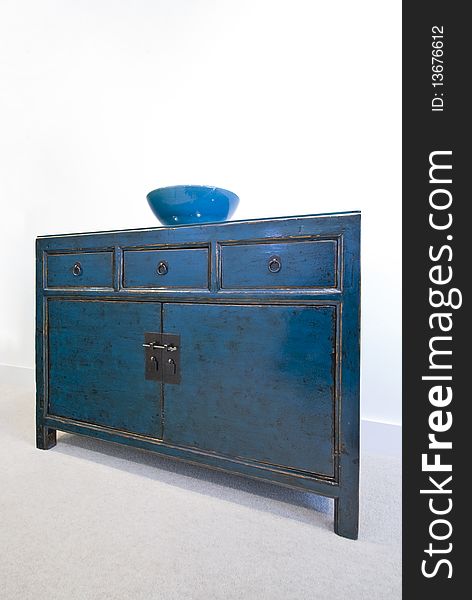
{"points": [[84, 269], [261, 265], [184, 268]]}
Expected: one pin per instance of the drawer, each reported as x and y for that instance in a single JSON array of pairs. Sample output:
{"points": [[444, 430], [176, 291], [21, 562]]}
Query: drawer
{"points": [[281, 264], [184, 268], [82, 269]]}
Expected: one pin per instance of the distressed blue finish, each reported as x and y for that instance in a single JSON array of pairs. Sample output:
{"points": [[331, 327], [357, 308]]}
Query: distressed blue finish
{"points": [[96, 270], [269, 373], [189, 204], [264, 376], [95, 360], [310, 264], [186, 268]]}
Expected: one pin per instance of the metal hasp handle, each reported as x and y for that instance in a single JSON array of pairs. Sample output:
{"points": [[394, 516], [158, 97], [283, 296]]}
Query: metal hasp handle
{"points": [[156, 346], [156, 368]]}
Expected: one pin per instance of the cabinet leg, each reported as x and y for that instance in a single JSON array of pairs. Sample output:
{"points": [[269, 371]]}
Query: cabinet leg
{"points": [[45, 437], [346, 516]]}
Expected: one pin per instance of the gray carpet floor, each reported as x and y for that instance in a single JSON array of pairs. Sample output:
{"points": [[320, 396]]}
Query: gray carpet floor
{"points": [[92, 520]]}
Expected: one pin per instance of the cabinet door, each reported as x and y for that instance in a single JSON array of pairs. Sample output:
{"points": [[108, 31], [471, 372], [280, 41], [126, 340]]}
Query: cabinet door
{"points": [[257, 382], [96, 364]]}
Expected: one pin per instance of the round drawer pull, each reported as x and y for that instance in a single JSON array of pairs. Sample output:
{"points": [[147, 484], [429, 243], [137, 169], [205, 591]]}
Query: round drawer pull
{"points": [[162, 268], [77, 269], [275, 264]]}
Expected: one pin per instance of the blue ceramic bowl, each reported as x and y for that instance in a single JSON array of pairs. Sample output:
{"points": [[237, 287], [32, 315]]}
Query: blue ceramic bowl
{"points": [[187, 204]]}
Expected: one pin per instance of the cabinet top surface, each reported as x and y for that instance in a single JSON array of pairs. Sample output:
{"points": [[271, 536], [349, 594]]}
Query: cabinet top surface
{"points": [[208, 225]]}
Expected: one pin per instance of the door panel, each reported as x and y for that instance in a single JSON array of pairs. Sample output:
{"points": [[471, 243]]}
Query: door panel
{"points": [[257, 382], [96, 364]]}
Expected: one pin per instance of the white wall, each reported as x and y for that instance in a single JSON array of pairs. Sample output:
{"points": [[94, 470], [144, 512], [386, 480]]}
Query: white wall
{"points": [[293, 104]]}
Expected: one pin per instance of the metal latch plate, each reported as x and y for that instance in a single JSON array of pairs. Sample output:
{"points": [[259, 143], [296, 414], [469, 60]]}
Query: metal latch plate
{"points": [[162, 357]]}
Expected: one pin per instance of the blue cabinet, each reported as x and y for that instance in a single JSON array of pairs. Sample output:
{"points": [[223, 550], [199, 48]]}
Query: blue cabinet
{"points": [[233, 345]]}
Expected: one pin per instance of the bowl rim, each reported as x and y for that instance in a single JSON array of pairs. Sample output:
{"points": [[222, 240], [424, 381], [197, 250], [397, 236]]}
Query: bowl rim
{"points": [[188, 185]]}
